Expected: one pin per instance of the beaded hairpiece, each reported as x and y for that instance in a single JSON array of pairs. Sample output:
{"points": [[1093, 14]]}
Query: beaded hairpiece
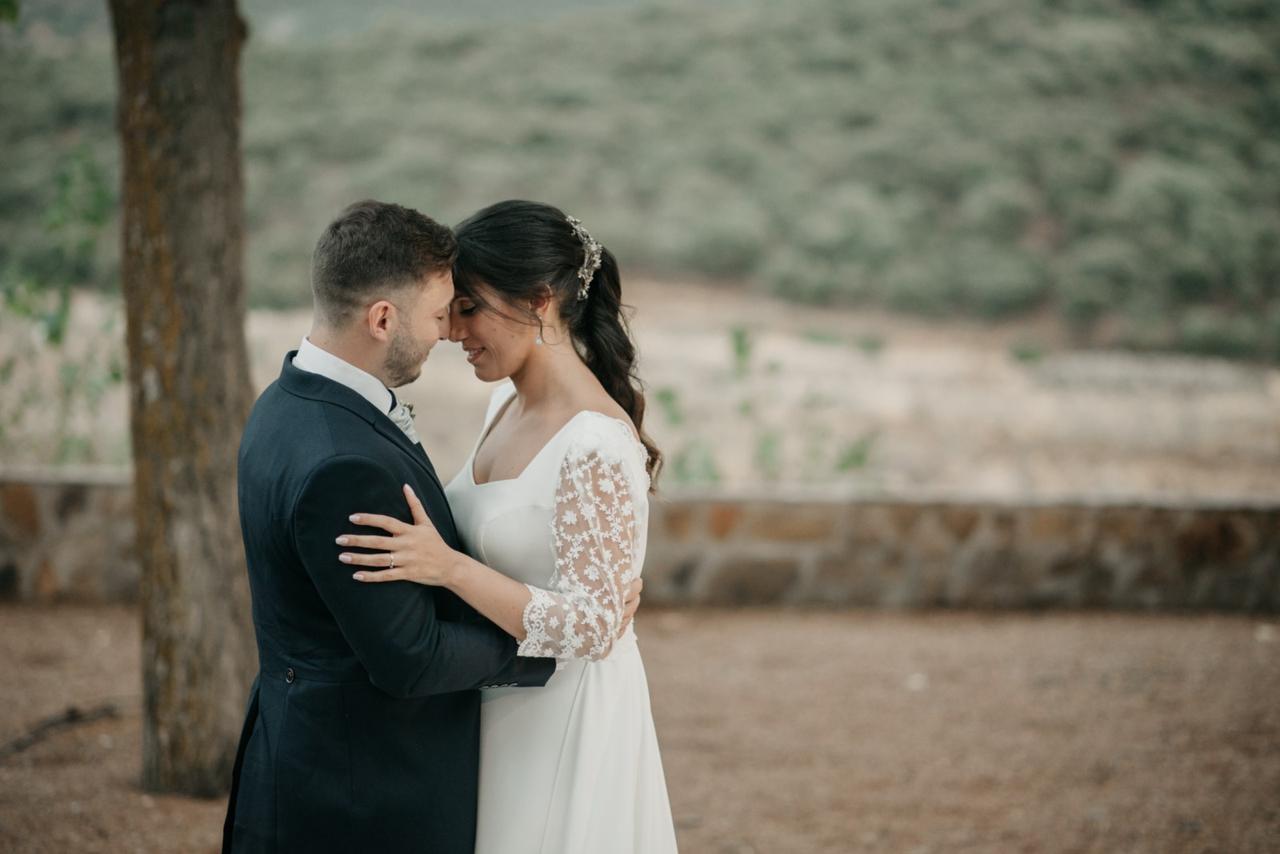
{"points": [[591, 257]]}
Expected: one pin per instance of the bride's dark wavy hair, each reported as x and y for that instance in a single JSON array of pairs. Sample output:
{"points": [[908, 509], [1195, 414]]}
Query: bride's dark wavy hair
{"points": [[526, 250]]}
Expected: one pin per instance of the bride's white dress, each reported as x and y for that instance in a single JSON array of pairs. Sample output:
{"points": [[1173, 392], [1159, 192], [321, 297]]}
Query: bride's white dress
{"points": [[572, 767]]}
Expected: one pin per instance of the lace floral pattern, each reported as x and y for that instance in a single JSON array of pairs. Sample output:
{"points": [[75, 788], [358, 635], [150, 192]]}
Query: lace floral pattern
{"points": [[594, 536]]}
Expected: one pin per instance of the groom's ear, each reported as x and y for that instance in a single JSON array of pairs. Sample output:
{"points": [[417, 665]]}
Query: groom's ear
{"points": [[377, 320]]}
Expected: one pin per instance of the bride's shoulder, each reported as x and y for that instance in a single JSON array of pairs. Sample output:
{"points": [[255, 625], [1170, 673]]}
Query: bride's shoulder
{"points": [[600, 423], [595, 435], [593, 429]]}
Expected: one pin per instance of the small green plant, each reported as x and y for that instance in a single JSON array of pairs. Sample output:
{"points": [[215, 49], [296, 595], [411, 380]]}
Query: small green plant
{"points": [[871, 344], [823, 336], [816, 440], [695, 464], [1026, 352], [856, 454], [741, 346], [669, 401], [768, 456]]}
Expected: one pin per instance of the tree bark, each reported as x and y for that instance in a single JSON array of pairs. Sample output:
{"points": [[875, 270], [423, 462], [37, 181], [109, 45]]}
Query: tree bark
{"points": [[182, 267]]}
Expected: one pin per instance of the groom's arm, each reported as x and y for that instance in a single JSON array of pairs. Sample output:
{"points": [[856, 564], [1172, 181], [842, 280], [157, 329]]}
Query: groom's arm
{"points": [[393, 628]]}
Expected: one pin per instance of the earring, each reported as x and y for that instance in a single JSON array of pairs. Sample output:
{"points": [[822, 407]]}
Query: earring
{"points": [[538, 340]]}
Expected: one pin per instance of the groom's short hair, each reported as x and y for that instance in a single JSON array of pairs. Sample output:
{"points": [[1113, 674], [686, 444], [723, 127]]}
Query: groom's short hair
{"points": [[372, 250]]}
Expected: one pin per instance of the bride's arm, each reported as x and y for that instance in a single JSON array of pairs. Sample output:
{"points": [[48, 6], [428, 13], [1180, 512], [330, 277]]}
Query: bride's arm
{"points": [[416, 552], [500, 598], [595, 535]]}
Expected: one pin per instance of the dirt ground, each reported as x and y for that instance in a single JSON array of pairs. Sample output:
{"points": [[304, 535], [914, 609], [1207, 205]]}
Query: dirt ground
{"points": [[787, 731]]}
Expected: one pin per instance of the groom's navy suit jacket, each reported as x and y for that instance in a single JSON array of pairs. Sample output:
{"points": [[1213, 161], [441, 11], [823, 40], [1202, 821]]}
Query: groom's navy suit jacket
{"points": [[363, 726]]}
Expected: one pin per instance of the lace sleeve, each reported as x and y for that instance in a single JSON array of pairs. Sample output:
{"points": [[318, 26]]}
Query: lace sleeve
{"points": [[594, 538]]}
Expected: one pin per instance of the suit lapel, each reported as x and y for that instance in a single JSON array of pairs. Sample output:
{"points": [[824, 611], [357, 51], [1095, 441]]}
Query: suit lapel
{"points": [[316, 387], [396, 436]]}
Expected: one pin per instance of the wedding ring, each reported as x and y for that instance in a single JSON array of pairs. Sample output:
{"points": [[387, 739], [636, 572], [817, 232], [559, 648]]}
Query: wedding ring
{"points": [[393, 562]]}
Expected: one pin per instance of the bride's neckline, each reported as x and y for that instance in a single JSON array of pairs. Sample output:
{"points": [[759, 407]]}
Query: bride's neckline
{"points": [[502, 410]]}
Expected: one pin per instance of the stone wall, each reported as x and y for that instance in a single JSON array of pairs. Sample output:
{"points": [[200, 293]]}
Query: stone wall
{"points": [[67, 535], [70, 536], [961, 553]]}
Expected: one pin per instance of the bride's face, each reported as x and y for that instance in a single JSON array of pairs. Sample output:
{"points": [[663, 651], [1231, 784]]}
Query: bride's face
{"points": [[497, 339]]}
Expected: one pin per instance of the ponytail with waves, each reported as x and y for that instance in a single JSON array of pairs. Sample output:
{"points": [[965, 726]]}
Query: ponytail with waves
{"points": [[605, 344]]}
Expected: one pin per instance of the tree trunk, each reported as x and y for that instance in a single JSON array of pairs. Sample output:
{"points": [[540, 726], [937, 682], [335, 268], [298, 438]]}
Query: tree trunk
{"points": [[179, 116]]}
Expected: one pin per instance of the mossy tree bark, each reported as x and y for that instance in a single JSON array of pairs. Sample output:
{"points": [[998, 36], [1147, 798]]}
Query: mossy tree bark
{"points": [[182, 266]]}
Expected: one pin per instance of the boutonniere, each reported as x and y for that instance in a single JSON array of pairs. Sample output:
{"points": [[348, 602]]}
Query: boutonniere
{"points": [[409, 406]]}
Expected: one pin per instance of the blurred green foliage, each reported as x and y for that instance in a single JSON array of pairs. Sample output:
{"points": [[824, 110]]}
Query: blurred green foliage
{"points": [[871, 344], [1026, 351], [741, 346], [668, 400], [37, 318], [72, 227], [694, 464], [768, 455], [1093, 158], [855, 455]]}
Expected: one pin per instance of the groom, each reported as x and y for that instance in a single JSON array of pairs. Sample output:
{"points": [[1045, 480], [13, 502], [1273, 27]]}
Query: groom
{"points": [[362, 732]]}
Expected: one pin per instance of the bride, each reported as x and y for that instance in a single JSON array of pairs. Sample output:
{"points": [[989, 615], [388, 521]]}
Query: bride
{"points": [[552, 506]]}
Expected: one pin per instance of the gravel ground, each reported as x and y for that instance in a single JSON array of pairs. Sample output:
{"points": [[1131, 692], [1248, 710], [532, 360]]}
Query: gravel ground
{"points": [[786, 731]]}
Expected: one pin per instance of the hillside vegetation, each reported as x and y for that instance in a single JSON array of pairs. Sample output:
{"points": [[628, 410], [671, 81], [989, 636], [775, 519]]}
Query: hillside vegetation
{"points": [[1117, 164]]}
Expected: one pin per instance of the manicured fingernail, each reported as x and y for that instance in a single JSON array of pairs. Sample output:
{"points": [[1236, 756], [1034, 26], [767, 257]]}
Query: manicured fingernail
{"points": [[342, 541], [354, 517], [359, 576], [345, 558]]}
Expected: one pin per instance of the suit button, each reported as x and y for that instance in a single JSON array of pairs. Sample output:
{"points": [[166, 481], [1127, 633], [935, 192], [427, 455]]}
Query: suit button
{"points": [[289, 675]]}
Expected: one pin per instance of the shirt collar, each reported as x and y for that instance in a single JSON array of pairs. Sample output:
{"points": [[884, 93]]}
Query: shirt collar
{"points": [[314, 360]]}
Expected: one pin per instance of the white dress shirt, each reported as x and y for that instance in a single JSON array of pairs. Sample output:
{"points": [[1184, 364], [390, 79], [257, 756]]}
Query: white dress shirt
{"points": [[314, 360]]}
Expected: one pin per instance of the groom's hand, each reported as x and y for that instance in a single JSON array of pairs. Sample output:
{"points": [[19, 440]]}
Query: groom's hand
{"points": [[630, 605]]}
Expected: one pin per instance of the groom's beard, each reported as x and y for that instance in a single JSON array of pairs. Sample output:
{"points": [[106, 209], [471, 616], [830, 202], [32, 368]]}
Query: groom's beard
{"points": [[405, 356]]}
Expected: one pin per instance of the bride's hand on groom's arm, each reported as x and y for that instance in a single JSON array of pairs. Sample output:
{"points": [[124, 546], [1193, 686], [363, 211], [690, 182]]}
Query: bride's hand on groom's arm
{"points": [[408, 552], [416, 552]]}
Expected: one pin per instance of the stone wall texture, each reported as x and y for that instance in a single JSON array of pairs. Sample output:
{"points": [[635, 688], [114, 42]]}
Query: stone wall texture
{"points": [[67, 536], [70, 536], [915, 553]]}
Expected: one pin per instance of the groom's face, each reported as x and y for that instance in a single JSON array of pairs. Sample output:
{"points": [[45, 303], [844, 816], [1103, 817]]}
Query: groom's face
{"points": [[423, 319]]}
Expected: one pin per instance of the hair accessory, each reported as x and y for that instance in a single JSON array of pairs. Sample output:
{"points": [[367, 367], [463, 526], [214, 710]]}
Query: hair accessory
{"points": [[591, 262]]}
